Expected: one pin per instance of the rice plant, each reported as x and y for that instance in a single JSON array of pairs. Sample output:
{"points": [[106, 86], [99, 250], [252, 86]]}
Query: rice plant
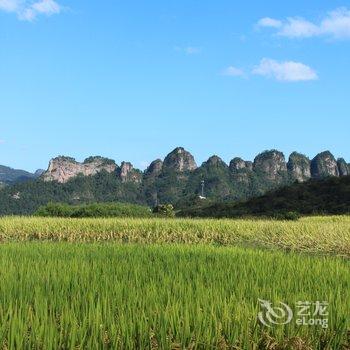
{"points": [[323, 235], [127, 296]]}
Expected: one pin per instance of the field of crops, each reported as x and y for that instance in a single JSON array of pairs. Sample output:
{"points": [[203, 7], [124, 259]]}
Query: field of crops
{"points": [[176, 284], [324, 235], [92, 296]]}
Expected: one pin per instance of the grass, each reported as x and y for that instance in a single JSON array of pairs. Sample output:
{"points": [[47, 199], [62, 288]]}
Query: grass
{"points": [[113, 296], [322, 235]]}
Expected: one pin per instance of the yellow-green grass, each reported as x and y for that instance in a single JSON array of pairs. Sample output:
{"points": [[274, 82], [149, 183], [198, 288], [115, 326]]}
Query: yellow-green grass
{"points": [[324, 235], [127, 296]]}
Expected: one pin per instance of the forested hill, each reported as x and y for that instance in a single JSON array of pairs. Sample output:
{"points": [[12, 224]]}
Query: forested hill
{"points": [[177, 180], [10, 176], [327, 196]]}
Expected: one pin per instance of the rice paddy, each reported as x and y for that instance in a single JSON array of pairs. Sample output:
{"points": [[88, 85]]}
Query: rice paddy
{"points": [[323, 235], [176, 284]]}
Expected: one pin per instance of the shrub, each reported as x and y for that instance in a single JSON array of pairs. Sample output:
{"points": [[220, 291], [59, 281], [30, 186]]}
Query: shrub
{"points": [[93, 210], [166, 210]]}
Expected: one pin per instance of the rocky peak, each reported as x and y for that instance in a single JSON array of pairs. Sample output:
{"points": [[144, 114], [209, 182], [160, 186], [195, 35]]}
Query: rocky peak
{"points": [[215, 161], [271, 164], [127, 173], [180, 160], [299, 167], [98, 160], [237, 164], [62, 169], [155, 168], [241, 171], [343, 167], [324, 165]]}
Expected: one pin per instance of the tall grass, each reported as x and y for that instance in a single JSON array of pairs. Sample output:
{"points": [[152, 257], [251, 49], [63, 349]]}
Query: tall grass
{"points": [[324, 235], [78, 296]]}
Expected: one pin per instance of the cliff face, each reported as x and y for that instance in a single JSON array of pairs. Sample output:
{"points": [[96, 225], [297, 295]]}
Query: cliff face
{"points": [[324, 165], [215, 162], [179, 160], [241, 171], [155, 168], [62, 169], [343, 167], [237, 164], [271, 165], [127, 173], [299, 167]]}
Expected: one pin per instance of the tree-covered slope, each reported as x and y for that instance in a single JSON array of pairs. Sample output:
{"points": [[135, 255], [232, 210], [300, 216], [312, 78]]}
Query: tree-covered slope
{"points": [[25, 198], [326, 196], [9, 175]]}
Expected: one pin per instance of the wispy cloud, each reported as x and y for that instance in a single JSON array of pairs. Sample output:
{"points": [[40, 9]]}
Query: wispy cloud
{"points": [[232, 71], [336, 24], [287, 71], [269, 22], [189, 50], [9, 5], [29, 10], [2, 142]]}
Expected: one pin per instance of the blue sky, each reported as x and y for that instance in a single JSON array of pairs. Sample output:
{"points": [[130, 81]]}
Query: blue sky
{"points": [[131, 80]]}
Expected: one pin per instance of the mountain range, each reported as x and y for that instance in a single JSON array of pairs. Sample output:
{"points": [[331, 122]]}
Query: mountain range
{"points": [[177, 179], [10, 176]]}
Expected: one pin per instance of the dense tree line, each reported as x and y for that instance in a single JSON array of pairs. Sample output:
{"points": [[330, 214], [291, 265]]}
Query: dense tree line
{"points": [[327, 196]]}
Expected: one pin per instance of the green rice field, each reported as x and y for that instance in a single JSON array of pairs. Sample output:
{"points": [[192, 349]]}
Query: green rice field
{"points": [[170, 284]]}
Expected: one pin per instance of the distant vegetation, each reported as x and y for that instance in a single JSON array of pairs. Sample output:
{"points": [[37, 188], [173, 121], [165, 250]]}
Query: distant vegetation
{"points": [[315, 197], [10, 176], [26, 198], [95, 210]]}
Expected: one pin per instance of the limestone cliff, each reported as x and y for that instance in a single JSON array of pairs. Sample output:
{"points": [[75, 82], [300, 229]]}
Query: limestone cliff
{"points": [[343, 167], [271, 165], [179, 160], [155, 168], [62, 169], [324, 165], [127, 173], [299, 167]]}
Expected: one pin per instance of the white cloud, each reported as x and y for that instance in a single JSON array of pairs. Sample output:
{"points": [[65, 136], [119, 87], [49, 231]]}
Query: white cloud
{"points": [[232, 71], [299, 28], [29, 10], [47, 7], [287, 71], [269, 22], [9, 5], [335, 24]]}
